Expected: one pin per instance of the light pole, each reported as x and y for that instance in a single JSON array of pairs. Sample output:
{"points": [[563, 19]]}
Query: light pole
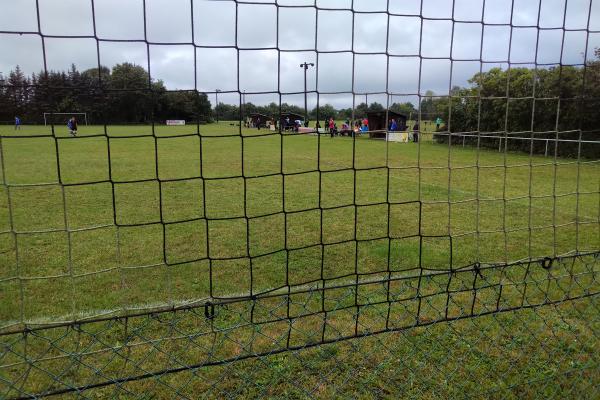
{"points": [[217, 91], [244, 105], [305, 66]]}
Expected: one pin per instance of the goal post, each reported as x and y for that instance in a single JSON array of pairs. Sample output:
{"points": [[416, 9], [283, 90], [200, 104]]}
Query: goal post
{"points": [[49, 117]]}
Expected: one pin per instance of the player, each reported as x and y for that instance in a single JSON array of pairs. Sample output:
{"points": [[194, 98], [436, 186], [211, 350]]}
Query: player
{"points": [[17, 123], [416, 133], [72, 125]]}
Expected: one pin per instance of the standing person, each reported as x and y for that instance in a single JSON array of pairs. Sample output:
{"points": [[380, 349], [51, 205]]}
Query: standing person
{"points": [[393, 125], [416, 133], [438, 122], [258, 123], [72, 125], [331, 125], [17, 123]]}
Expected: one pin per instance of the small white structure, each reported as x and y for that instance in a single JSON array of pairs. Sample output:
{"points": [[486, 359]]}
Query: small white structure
{"points": [[175, 122], [397, 137]]}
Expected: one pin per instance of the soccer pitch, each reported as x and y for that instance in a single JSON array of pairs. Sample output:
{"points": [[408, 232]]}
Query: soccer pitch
{"points": [[272, 211]]}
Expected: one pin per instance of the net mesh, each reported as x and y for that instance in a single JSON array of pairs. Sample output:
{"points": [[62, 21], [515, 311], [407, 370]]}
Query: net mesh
{"points": [[237, 263]]}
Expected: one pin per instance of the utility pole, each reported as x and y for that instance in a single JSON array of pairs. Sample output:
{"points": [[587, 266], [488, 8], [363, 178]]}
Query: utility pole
{"points": [[217, 91], [305, 66], [244, 105]]}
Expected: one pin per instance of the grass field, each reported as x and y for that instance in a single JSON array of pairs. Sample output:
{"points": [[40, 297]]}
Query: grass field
{"points": [[130, 220]]}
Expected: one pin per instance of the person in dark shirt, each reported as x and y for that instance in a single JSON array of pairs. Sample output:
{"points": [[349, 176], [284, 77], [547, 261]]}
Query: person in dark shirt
{"points": [[72, 125], [416, 133]]}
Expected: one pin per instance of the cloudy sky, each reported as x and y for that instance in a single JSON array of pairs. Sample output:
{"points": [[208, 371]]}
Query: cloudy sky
{"points": [[192, 44]]}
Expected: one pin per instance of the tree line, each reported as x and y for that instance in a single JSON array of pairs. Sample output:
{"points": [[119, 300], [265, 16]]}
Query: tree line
{"points": [[546, 103], [516, 100], [325, 111], [123, 94]]}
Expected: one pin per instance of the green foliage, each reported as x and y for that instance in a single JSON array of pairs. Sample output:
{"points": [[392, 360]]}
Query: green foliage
{"points": [[118, 95], [407, 108], [528, 103]]}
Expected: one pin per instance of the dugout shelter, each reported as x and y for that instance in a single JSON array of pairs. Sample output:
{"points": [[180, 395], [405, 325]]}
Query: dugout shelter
{"points": [[379, 122]]}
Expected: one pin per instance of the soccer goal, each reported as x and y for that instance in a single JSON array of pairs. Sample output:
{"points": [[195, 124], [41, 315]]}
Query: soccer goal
{"points": [[59, 118]]}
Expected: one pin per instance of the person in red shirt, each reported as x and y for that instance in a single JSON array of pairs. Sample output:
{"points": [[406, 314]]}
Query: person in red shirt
{"points": [[331, 126]]}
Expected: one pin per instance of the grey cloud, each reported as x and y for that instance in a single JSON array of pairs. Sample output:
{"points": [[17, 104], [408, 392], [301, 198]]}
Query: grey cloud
{"points": [[467, 41], [61, 53], [525, 12], [405, 7], [257, 26], [370, 33], [334, 31], [112, 53], [214, 24], [18, 16], [217, 67], [468, 10], [24, 50], [116, 19], [437, 9], [258, 70], [404, 34], [174, 65], [169, 21], [66, 17], [301, 34], [437, 37]]}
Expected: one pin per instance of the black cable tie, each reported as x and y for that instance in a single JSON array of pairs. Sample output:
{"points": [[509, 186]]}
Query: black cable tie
{"points": [[477, 269], [547, 262], [209, 310]]}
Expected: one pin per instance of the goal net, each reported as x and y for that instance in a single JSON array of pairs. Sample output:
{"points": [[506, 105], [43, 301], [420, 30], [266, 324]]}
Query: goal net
{"points": [[62, 118], [458, 258]]}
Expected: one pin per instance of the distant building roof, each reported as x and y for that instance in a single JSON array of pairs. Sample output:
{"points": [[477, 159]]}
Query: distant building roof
{"points": [[379, 114], [253, 115], [292, 115]]}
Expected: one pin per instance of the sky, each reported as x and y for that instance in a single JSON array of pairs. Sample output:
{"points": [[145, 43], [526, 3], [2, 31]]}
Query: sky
{"points": [[235, 46]]}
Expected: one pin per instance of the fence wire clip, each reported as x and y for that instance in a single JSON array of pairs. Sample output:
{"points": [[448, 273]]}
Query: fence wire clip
{"points": [[209, 310], [477, 269], [547, 262]]}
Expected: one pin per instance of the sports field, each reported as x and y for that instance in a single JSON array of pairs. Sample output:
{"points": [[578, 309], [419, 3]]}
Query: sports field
{"points": [[137, 217]]}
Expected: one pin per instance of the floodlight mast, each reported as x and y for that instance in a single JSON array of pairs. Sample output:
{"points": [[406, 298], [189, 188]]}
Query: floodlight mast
{"points": [[305, 66], [217, 91]]}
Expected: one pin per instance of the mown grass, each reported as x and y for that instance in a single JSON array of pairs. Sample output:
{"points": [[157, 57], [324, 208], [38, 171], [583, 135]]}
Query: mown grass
{"points": [[272, 211]]}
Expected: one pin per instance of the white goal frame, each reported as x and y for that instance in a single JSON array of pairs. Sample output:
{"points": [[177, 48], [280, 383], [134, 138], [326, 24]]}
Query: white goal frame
{"points": [[69, 114]]}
